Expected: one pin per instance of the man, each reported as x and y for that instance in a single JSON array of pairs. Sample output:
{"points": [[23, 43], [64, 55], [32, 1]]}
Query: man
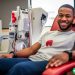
{"points": [[52, 50]]}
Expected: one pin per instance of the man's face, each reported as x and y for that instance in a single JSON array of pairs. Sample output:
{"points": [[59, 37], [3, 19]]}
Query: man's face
{"points": [[65, 18]]}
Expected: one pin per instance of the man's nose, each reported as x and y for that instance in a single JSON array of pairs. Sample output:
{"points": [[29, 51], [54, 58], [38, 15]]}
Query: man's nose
{"points": [[64, 18]]}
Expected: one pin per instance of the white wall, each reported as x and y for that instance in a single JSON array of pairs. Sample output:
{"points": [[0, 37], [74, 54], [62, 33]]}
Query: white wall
{"points": [[6, 7]]}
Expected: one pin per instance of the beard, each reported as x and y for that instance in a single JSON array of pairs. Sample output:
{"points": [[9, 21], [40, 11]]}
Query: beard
{"points": [[64, 29]]}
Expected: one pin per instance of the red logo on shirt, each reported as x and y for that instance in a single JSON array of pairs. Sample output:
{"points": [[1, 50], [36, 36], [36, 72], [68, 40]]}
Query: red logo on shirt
{"points": [[49, 42]]}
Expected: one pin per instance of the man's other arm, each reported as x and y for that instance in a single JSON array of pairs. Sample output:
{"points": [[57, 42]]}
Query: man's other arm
{"points": [[29, 51]]}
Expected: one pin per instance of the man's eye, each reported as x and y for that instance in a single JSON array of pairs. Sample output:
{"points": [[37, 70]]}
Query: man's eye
{"points": [[60, 16], [68, 16]]}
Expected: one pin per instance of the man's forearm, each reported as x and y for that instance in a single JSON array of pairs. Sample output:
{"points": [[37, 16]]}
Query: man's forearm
{"points": [[24, 53], [73, 55], [28, 51]]}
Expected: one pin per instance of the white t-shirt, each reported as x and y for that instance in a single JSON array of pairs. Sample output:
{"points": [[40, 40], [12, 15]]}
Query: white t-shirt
{"points": [[54, 42]]}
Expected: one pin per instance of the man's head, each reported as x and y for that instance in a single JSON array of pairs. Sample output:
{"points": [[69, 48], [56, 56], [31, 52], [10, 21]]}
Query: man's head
{"points": [[65, 17]]}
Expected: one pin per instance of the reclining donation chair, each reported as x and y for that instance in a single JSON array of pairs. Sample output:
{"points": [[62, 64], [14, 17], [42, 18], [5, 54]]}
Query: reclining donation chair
{"points": [[61, 70]]}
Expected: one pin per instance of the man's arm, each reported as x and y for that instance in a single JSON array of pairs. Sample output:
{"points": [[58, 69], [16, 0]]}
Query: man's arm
{"points": [[73, 55], [24, 52], [28, 51]]}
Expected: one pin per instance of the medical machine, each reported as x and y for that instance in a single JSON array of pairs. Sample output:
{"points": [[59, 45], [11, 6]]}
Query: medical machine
{"points": [[19, 29], [22, 30], [38, 19]]}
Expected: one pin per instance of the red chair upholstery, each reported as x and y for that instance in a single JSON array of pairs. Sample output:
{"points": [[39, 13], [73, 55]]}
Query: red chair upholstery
{"points": [[60, 70], [55, 25], [65, 67]]}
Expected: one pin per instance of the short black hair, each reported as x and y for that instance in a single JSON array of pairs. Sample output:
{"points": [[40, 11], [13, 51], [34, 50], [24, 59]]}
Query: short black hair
{"points": [[67, 6]]}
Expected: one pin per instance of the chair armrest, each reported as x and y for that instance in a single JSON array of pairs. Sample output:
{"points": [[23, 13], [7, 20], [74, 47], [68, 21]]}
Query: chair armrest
{"points": [[60, 70]]}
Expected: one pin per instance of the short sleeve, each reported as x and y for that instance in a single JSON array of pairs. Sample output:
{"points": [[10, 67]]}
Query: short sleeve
{"points": [[41, 37]]}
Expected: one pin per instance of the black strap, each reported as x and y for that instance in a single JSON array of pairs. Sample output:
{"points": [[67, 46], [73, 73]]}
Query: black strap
{"points": [[70, 54], [14, 54]]}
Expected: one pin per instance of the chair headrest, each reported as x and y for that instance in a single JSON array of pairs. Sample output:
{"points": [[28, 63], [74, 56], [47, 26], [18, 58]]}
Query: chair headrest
{"points": [[55, 25]]}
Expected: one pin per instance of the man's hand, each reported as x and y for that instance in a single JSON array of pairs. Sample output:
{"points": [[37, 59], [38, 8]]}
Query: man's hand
{"points": [[6, 55], [58, 60]]}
